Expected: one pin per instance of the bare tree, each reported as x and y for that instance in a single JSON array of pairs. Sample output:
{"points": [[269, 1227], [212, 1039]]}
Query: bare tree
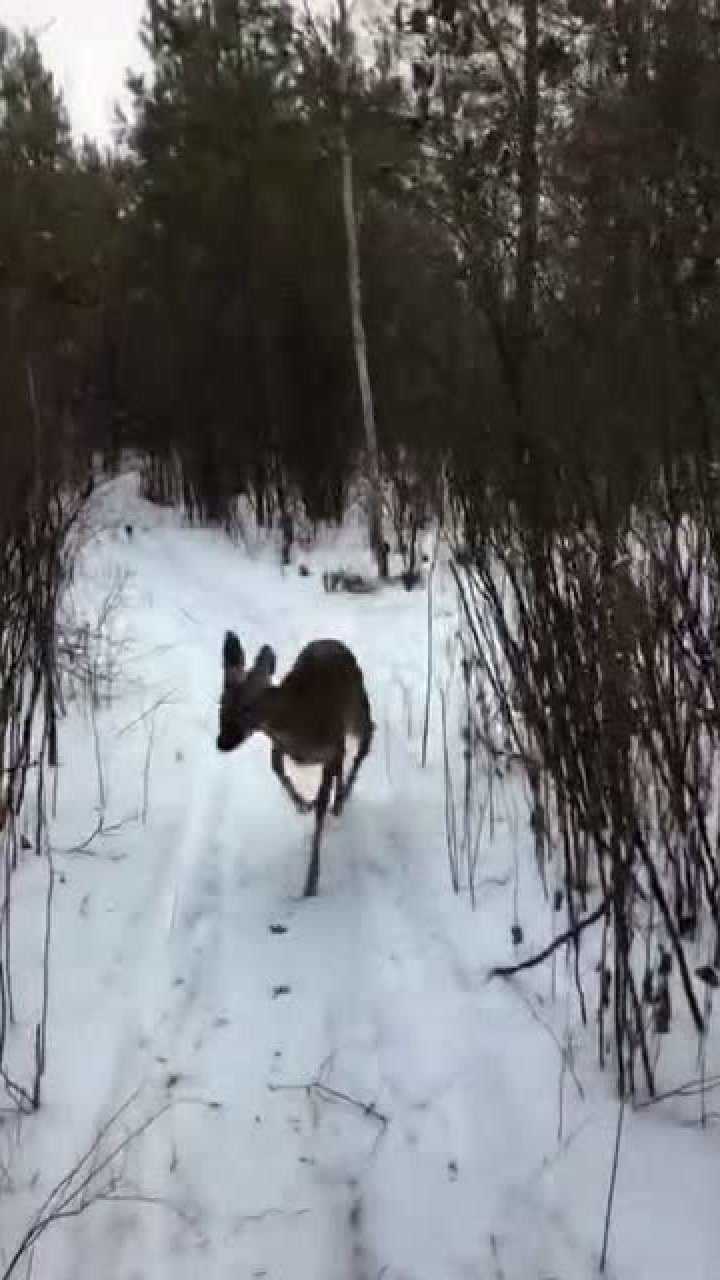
{"points": [[354, 282]]}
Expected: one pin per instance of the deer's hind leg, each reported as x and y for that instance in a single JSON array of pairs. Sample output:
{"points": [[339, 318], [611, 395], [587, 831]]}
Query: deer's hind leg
{"points": [[338, 780], [366, 738]]}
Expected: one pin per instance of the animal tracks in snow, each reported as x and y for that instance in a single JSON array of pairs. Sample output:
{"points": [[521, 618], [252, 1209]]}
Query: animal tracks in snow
{"points": [[281, 1030]]}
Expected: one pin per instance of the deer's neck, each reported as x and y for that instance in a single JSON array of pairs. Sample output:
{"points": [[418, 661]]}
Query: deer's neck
{"points": [[277, 719], [273, 713]]}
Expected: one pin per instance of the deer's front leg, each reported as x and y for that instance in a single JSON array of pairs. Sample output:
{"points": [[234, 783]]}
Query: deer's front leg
{"points": [[278, 764], [321, 804]]}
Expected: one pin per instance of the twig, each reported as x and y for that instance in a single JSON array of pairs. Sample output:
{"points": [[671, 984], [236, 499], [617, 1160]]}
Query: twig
{"points": [[690, 1089], [326, 1090], [561, 1048], [74, 1194], [367, 1108], [428, 682], [507, 971], [661, 900], [102, 798], [160, 702], [20, 1096], [100, 829], [146, 771], [148, 1198], [271, 1213], [611, 1189], [41, 1030], [450, 813]]}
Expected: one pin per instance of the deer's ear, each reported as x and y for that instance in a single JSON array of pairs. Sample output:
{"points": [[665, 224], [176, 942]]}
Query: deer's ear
{"points": [[233, 656], [266, 662]]}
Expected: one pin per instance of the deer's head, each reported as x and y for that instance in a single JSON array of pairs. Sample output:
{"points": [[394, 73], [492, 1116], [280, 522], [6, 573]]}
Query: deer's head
{"points": [[242, 691]]}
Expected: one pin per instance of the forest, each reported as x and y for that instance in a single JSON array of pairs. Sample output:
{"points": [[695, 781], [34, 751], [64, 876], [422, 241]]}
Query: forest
{"points": [[453, 264]]}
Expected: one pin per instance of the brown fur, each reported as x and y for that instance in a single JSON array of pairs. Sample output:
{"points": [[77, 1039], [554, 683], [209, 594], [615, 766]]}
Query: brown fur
{"points": [[321, 702]]}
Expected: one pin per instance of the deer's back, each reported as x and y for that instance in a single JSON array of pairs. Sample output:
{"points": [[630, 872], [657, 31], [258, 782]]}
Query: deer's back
{"points": [[325, 695]]}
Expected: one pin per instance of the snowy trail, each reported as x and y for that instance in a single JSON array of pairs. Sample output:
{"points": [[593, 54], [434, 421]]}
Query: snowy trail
{"points": [[201, 976], [208, 1015]]}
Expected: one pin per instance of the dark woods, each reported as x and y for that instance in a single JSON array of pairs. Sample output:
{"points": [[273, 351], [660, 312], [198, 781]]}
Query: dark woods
{"points": [[538, 202]]}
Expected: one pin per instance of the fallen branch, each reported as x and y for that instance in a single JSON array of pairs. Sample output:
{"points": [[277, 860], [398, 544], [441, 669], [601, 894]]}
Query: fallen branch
{"points": [[570, 935], [690, 1089], [271, 1213], [100, 829], [326, 1091]]}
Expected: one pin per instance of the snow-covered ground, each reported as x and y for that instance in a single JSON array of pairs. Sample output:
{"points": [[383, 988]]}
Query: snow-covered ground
{"points": [[448, 1141]]}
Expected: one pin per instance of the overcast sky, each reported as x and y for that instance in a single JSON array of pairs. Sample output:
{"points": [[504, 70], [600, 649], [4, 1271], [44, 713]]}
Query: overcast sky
{"points": [[87, 44]]}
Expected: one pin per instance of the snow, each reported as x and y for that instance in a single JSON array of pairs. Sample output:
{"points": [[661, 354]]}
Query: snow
{"points": [[350, 1096]]}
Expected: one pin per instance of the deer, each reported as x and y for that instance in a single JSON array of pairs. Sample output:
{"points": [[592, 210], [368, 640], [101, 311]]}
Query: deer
{"points": [[307, 717]]}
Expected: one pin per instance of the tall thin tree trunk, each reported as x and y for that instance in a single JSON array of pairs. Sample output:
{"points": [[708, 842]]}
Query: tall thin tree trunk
{"points": [[355, 297], [529, 177], [515, 353]]}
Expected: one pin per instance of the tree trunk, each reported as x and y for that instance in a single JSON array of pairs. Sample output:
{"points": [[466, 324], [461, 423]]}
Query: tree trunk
{"points": [[355, 297], [529, 187]]}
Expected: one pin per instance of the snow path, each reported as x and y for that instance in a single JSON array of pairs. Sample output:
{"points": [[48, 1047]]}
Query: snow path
{"points": [[190, 967]]}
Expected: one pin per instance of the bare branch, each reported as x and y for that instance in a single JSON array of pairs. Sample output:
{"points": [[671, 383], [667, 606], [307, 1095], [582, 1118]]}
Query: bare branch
{"points": [[326, 1091], [570, 935]]}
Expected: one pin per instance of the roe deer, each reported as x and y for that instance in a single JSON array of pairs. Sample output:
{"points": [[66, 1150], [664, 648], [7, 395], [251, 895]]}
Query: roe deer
{"points": [[307, 717]]}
